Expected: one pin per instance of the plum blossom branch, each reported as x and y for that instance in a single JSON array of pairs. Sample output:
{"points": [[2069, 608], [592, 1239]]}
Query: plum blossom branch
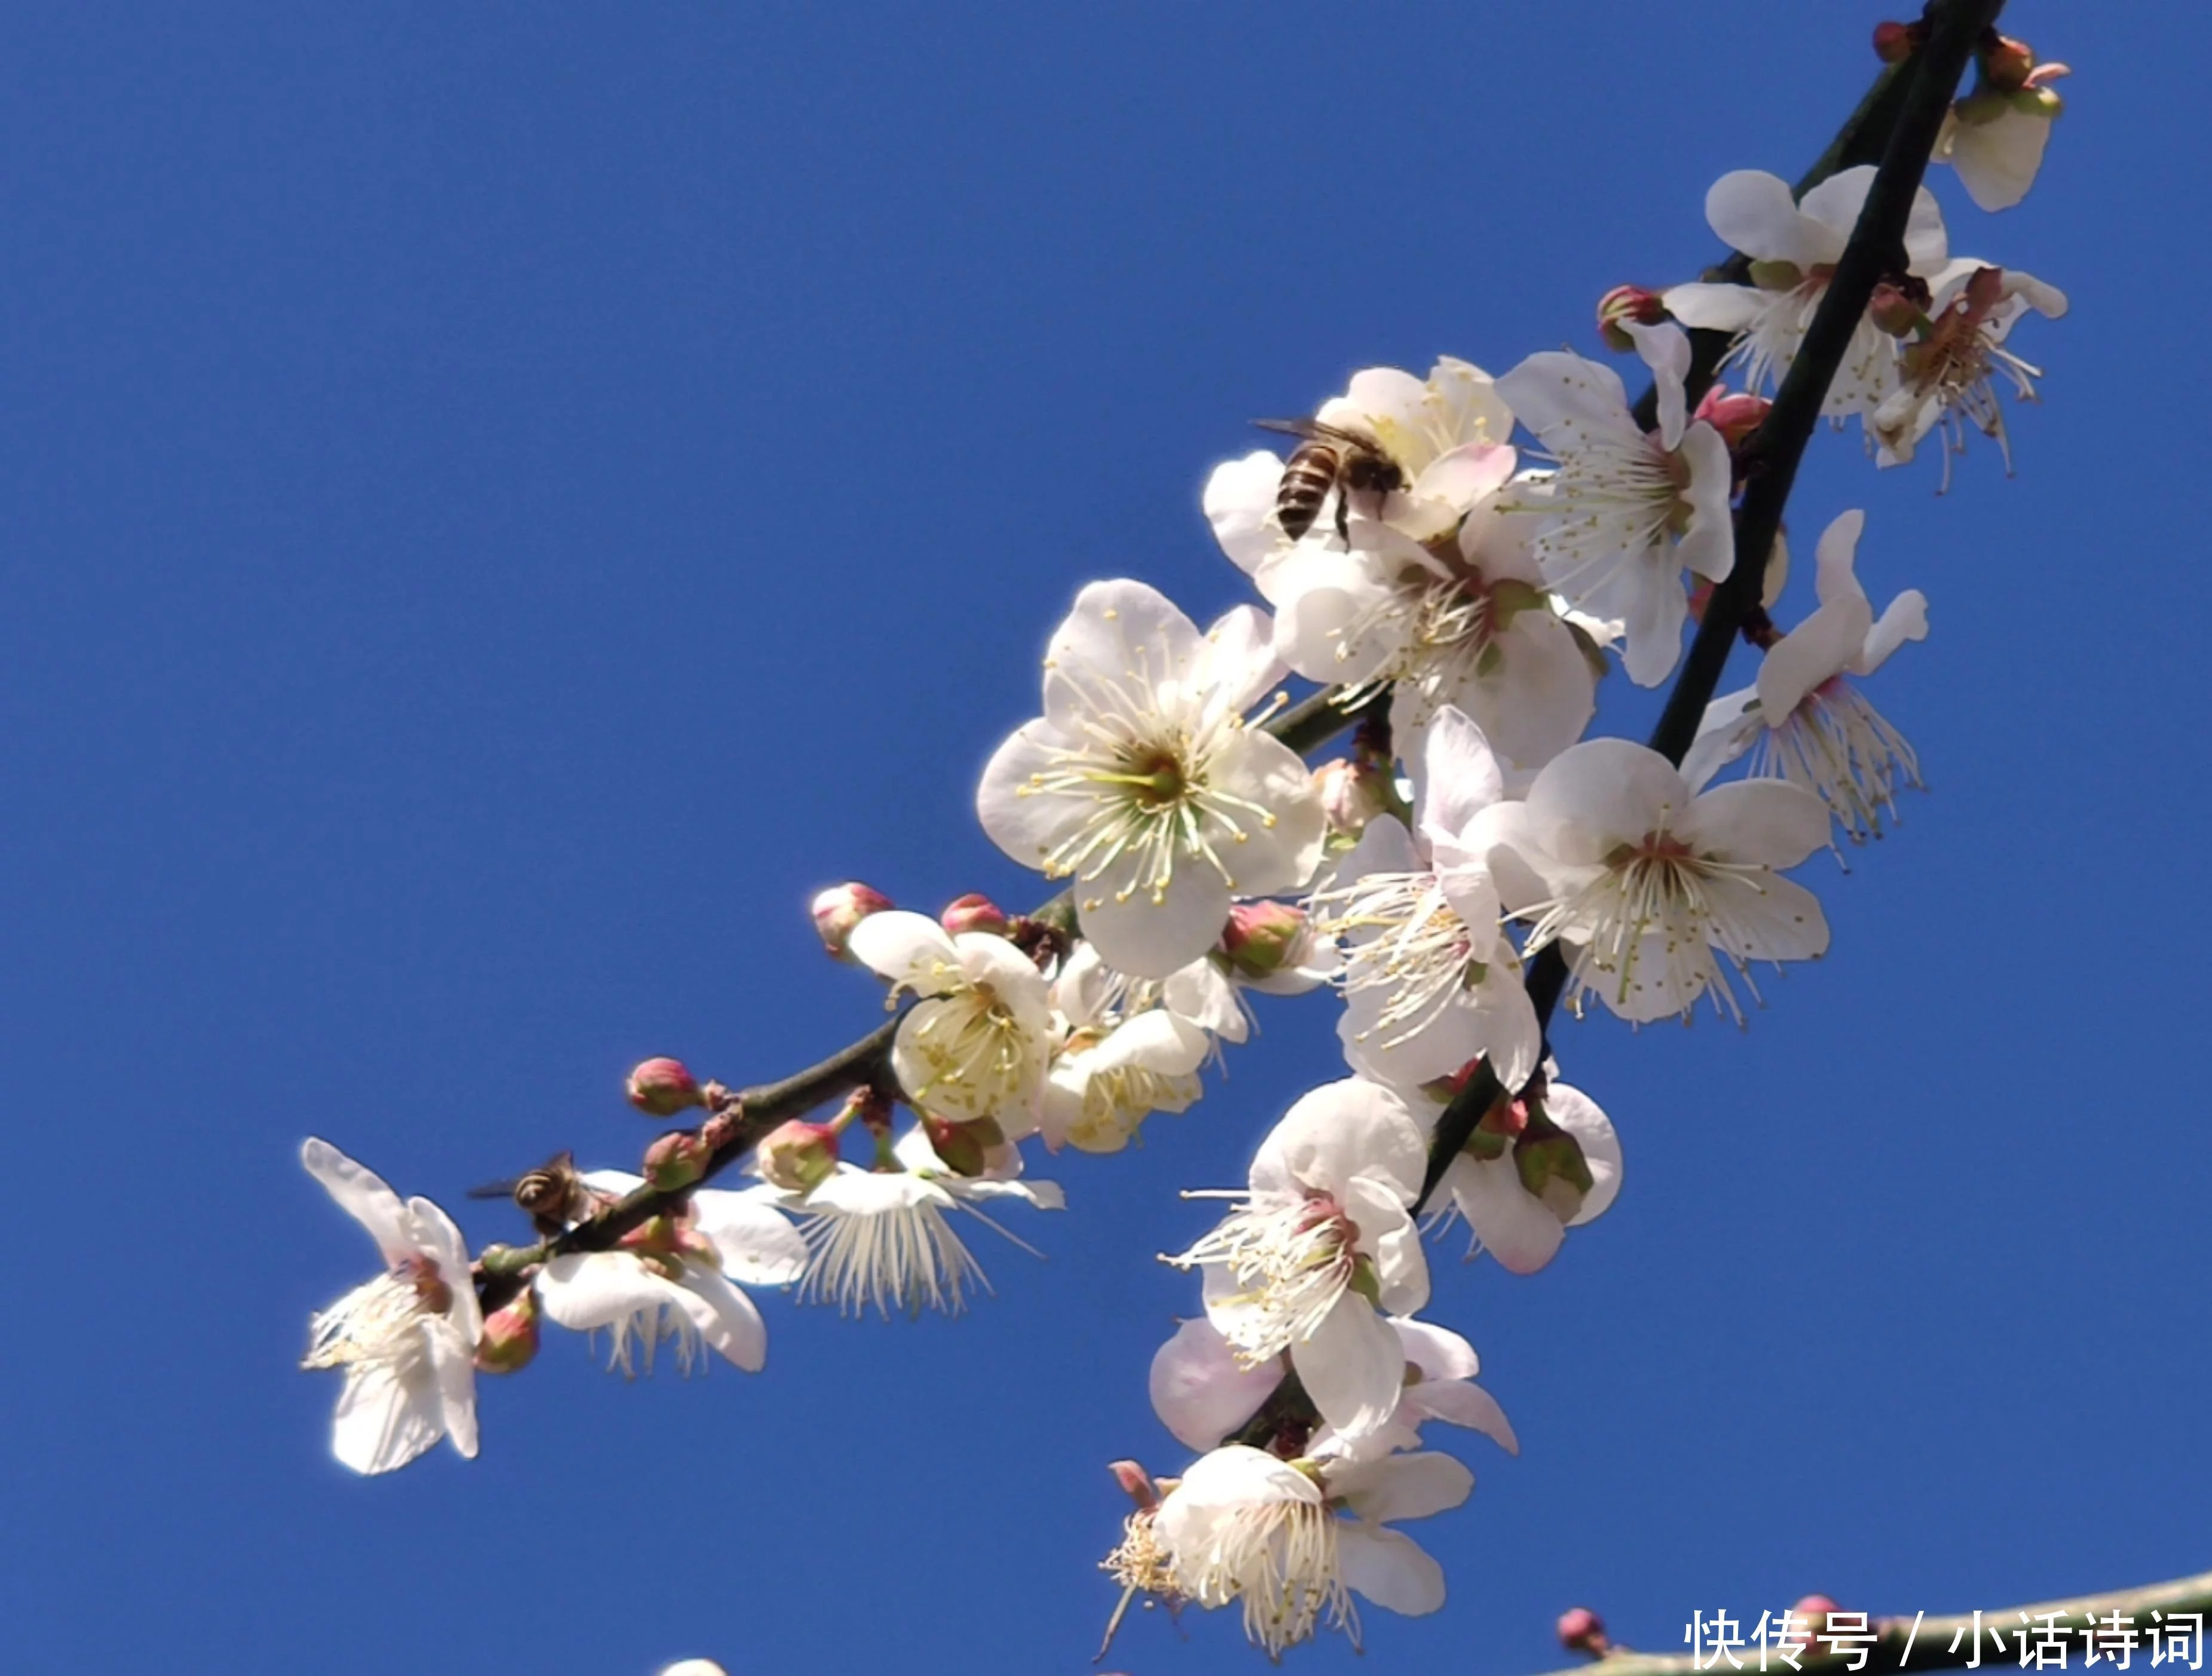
{"points": [[1955, 1641], [1770, 457], [750, 1114]]}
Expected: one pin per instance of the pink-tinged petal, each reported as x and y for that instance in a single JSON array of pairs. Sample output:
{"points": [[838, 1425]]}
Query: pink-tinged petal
{"points": [[1150, 936], [1907, 619], [1438, 1351], [1508, 838], [1390, 1237], [1198, 1390], [1119, 634], [1468, 1405], [1465, 475], [1390, 1568], [452, 1365], [1818, 649], [1997, 161], [384, 1421], [1769, 822], [588, 1290], [1240, 504], [1343, 1129], [1729, 725], [1326, 629], [1234, 1475], [1562, 397], [755, 1244], [1029, 825], [1835, 574], [725, 1317], [1927, 242], [1833, 208], [1511, 1035], [435, 1236], [1714, 308], [1653, 608], [1583, 1118], [1351, 1367], [1459, 776], [1665, 349], [1269, 857], [1752, 212], [1767, 919], [1401, 1486], [1602, 792], [1512, 1223], [1239, 660], [362, 1195], [908, 949], [1708, 546]]}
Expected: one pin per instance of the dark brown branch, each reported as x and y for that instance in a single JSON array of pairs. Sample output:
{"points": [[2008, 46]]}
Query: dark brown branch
{"points": [[1772, 452]]}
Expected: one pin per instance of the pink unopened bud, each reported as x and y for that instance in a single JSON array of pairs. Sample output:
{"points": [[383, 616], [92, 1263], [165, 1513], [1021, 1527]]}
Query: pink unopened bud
{"points": [[796, 1156], [510, 1337], [676, 1160], [1894, 310], [1736, 414], [1623, 305], [662, 1088], [1352, 793], [960, 1147], [1814, 1609], [1894, 43], [1136, 1482], [1261, 938], [1582, 1631], [975, 912], [2007, 65], [840, 908]]}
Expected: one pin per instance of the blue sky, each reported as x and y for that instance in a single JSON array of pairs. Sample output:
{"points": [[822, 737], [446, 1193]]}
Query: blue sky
{"points": [[499, 504]]}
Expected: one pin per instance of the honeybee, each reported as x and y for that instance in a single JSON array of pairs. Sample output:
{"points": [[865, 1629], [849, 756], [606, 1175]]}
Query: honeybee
{"points": [[1329, 458], [552, 1196]]}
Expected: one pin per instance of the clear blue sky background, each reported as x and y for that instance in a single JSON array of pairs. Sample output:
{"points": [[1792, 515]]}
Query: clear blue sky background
{"points": [[499, 503]]}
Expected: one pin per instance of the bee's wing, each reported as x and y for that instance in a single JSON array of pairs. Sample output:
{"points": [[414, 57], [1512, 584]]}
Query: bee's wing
{"points": [[494, 1189], [1314, 431]]}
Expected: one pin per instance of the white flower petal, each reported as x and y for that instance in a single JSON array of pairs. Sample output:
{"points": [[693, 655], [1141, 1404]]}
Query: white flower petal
{"points": [[1390, 1568], [1199, 1391]]}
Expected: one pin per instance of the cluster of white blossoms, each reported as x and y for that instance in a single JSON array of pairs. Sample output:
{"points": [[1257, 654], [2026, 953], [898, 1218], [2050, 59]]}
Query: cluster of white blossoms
{"points": [[1463, 559]]}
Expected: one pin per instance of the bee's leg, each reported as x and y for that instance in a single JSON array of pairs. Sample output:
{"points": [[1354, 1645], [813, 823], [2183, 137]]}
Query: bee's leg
{"points": [[1344, 516]]}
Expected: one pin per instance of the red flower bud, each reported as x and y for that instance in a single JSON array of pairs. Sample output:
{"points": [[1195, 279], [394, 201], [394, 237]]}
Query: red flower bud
{"points": [[1582, 1631], [1622, 305], [1894, 43], [662, 1088], [840, 908], [510, 1337], [796, 1156], [975, 912], [676, 1160]]}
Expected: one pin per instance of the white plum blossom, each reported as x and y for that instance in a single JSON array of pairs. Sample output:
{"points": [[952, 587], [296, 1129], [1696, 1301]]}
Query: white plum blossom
{"points": [[880, 1238], [407, 1339], [1242, 1527], [1996, 137], [977, 1044], [1523, 1230], [1946, 377], [1795, 246], [1440, 432], [1464, 620], [1090, 995], [1627, 510], [1430, 981], [1804, 720], [672, 1279], [1649, 885], [1321, 1246], [1144, 783], [1202, 1392], [1104, 1084]]}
